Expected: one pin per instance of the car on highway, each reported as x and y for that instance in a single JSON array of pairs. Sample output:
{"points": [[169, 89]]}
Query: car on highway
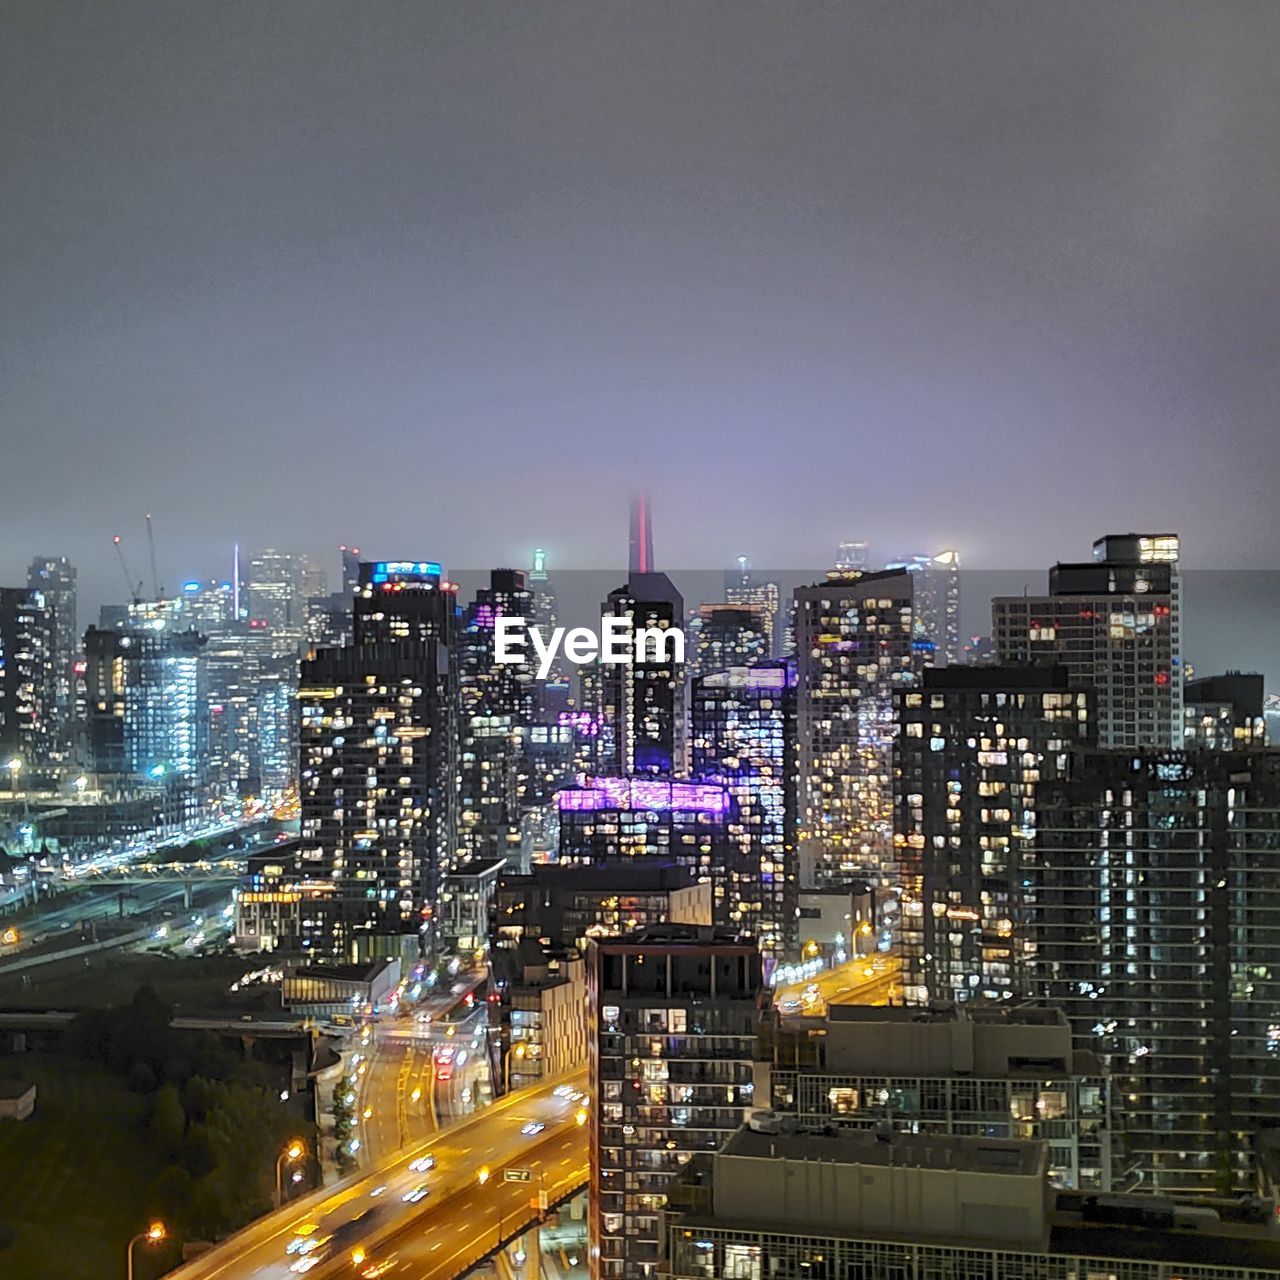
{"points": [[422, 1164], [304, 1238], [562, 1091], [415, 1194], [533, 1128]]}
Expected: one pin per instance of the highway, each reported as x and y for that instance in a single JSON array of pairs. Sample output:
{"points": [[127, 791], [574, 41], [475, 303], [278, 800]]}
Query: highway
{"points": [[473, 1223], [398, 1062], [452, 1212], [864, 980]]}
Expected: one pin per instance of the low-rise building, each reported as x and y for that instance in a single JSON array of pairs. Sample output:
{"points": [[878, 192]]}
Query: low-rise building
{"points": [[324, 990], [835, 1202], [17, 1099], [537, 1013]]}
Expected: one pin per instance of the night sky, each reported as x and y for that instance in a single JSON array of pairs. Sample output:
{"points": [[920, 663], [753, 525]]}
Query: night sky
{"points": [[449, 279]]}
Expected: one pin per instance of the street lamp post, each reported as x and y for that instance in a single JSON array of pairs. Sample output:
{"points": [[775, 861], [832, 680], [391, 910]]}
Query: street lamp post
{"points": [[519, 1050], [152, 1235], [291, 1153]]}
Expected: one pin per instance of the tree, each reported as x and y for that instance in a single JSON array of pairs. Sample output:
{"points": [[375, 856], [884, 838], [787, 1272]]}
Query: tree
{"points": [[168, 1121]]}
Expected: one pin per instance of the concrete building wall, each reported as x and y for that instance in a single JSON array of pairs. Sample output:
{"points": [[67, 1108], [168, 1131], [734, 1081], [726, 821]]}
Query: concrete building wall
{"points": [[898, 1200]]}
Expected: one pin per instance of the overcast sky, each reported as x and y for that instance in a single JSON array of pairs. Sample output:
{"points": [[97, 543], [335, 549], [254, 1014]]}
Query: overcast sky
{"points": [[449, 279]]}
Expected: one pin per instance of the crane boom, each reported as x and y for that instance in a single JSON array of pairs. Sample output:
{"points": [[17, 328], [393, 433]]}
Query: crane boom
{"points": [[135, 593]]}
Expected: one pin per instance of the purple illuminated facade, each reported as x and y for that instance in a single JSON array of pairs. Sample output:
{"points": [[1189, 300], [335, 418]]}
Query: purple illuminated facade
{"points": [[645, 793], [609, 818], [743, 739]]}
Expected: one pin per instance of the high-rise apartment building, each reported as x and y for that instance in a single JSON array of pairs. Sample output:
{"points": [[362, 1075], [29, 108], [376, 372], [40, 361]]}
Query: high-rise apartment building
{"points": [[743, 587], [378, 787], [744, 739], [1115, 624], [166, 710], [378, 748], [644, 702], [728, 635], [499, 703], [1225, 713], [606, 819], [1155, 924], [54, 577], [937, 602], [974, 746], [28, 683], [855, 649], [672, 1018]]}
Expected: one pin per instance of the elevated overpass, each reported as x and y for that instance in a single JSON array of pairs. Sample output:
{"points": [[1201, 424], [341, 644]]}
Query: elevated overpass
{"points": [[470, 1210]]}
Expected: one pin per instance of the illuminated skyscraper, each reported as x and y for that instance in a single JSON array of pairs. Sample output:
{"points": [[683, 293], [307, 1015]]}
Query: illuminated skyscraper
{"points": [[728, 635], [937, 602], [855, 648], [28, 684], [166, 713], [975, 744], [276, 592], [606, 819], [350, 571], [644, 702], [1115, 624], [378, 748], [744, 738], [377, 786], [741, 586], [54, 577], [499, 703], [672, 1022]]}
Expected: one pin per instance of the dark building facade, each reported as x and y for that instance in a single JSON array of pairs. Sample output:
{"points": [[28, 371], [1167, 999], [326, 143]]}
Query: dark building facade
{"points": [[1156, 927]]}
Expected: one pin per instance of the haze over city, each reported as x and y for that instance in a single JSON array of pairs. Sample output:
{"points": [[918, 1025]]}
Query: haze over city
{"points": [[506, 262], [639, 640]]}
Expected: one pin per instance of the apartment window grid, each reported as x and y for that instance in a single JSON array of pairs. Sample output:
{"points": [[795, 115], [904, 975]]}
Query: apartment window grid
{"points": [[718, 1253]]}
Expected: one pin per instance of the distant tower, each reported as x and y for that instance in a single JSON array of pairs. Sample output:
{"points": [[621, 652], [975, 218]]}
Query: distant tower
{"points": [[641, 559], [644, 702]]}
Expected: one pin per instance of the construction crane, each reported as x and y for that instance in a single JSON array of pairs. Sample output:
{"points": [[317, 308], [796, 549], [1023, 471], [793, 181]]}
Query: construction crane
{"points": [[135, 592], [155, 577]]}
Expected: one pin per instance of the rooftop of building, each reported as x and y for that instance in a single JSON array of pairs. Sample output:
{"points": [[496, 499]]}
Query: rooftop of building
{"points": [[850, 888], [1230, 1246], [1002, 679], [369, 972], [838, 1145], [669, 936], [477, 868], [1003, 1013], [616, 874]]}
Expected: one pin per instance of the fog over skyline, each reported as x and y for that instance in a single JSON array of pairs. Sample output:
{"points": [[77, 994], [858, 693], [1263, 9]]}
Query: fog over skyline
{"points": [[452, 280]]}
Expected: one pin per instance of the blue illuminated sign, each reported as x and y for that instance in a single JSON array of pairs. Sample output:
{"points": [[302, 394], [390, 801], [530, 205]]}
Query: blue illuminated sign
{"points": [[191, 586], [385, 569]]}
